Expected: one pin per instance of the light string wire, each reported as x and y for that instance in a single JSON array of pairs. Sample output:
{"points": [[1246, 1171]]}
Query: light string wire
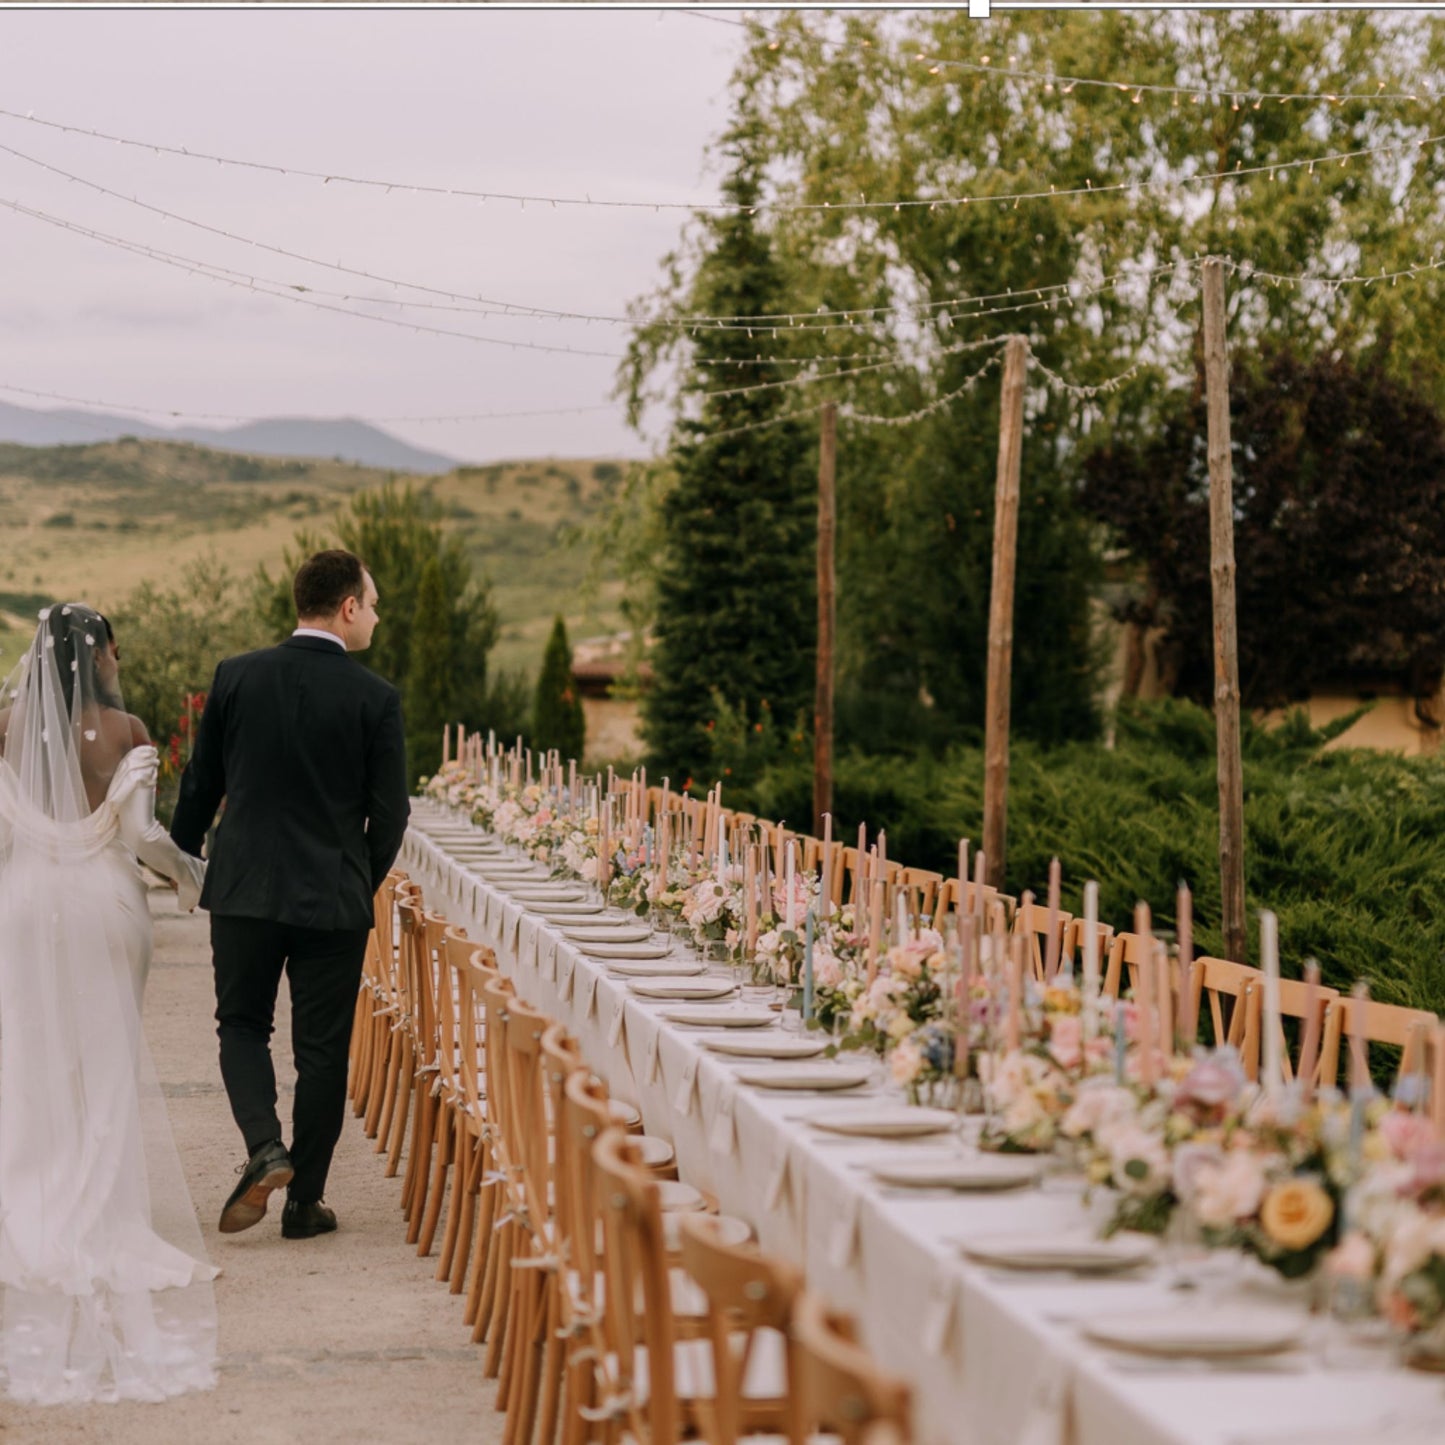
{"points": [[1246, 271], [1066, 83], [766, 321], [179, 414], [279, 291], [733, 208]]}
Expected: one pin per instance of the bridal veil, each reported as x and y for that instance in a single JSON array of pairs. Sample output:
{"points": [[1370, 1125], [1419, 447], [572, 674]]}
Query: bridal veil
{"points": [[105, 1290]]}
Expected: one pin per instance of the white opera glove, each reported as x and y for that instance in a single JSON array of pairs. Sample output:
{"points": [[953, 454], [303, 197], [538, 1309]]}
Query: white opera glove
{"points": [[146, 838]]}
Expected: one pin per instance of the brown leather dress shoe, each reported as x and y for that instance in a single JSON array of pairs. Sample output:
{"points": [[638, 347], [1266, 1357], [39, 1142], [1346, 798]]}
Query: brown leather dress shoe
{"points": [[267, 1169]]}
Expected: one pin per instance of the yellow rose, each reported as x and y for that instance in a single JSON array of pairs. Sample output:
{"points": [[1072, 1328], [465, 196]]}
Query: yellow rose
{"points": [[1295, 1214]]}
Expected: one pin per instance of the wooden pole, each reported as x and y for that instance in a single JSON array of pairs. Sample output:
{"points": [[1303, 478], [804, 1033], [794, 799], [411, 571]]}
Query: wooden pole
{"points": [[1226, 636], [827, 615], [1001, 608]]}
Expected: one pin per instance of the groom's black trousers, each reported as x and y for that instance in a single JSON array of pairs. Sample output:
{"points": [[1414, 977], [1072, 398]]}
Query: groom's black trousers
{"points": [[324, 970]]}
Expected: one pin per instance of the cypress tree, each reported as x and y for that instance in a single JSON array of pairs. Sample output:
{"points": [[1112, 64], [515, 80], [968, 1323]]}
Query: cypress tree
{"points": [[557, 720], [430, 688], [736, 590]]}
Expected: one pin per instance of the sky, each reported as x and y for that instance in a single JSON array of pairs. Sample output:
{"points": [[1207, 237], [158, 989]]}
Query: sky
{"points": [[611, 104]]}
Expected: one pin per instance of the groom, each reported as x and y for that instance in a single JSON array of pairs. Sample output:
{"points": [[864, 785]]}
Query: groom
{"points": [[306, 747]]}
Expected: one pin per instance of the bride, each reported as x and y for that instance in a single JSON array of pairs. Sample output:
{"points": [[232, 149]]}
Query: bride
{"points": [[105, 1291]]}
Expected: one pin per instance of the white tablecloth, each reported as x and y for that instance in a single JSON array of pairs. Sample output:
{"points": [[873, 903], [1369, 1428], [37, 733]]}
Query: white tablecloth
{"points": [[994, 1359]]}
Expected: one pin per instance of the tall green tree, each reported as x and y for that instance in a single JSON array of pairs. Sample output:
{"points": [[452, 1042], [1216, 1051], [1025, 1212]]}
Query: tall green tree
{"points": [[397, 532], [430, 690], [844, 112], [557, 719], [736, 601]]}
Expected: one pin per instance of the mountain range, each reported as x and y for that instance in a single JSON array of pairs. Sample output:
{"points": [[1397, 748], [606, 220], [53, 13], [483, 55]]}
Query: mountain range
{"points": [[282, 436]]}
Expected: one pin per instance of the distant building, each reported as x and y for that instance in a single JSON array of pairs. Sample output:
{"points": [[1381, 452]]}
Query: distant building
{"points": [[602, 666]]}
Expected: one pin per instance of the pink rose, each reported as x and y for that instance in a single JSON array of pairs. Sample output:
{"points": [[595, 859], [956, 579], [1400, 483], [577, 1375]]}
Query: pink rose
{"points": [[1407, 1134], [1352, 1258], [1066, 1040], [1213, 1082]]}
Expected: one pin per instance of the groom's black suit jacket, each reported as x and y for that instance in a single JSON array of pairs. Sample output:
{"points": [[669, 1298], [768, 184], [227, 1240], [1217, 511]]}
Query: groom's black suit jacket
{"points": [[306, 747]]}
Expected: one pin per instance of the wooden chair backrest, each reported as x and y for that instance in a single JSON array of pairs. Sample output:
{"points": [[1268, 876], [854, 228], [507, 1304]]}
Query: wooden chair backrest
{"points": [[921, 891], [948, 895], [583, 1122], [1074, 944], [525, 1124], [637, 1308], [451, 965], [1039, 931], [498, 995], [1407, 1029], [476, 972], [561, 1058], [833, 1383], [746, 1291], [1125, 949], [1217, 982]]}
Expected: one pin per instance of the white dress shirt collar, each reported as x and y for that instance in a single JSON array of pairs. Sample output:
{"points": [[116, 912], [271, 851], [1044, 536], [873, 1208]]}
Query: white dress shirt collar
{"points": [[319, 632]]}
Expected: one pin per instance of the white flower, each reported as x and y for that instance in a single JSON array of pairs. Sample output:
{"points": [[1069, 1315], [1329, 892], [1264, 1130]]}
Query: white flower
{"points": [[1229, 1192]]}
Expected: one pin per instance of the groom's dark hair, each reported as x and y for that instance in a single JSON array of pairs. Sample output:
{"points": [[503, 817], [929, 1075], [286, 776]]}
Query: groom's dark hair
{"points": [[325, 581]]}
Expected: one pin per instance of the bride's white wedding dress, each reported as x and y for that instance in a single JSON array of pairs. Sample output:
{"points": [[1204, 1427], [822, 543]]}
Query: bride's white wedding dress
{"points": [[105, 1290]]}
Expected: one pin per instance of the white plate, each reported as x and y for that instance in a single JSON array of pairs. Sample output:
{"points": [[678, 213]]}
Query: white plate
{"points": [[719, 1018], [807, 1076], [662, 968], [678, 1197], [683, 988], [781, 1047], [607, 933], [1076, 1253], [655, 1152], [554, 893], [727, 1229], [982, 1173], [624, 1113], [626, 950], [897, 1121], [1218, 1333], [558, 912]]}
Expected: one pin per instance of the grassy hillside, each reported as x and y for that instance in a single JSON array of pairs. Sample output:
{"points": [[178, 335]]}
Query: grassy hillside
{"points": [[92, 522]]}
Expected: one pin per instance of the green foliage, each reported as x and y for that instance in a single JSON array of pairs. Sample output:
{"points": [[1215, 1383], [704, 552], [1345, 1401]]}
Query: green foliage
{"points": [[1345, 845], [735, 587], [171, 639], [557, 720], [398, 534], [1339, 527], [430, 684]]}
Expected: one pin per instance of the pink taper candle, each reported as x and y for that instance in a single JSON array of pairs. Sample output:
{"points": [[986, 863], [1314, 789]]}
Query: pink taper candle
{"points": [[1053, 945], [1310, 1045]]}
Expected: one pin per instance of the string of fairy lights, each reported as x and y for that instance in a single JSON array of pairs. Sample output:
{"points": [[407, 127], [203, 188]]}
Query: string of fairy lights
{"points": [[1275, 170], [410, 295], [1201, 92]]}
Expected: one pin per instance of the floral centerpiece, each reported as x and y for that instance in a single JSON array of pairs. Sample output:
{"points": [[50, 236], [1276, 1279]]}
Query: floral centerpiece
{"points": [[713, 907], [1393, 1249], [631, 878], [455, 787], [1262, 1174]]}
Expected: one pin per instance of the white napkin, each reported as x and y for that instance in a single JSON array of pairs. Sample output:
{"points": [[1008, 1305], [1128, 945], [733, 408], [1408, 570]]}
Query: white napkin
{"points": [[617, 1022], [723, 1139], [843, 1244], [652, 1059], [589, 993], [686, 1093]]}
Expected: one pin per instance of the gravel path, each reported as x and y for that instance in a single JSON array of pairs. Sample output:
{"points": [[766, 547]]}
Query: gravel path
{"points": [[346, 1338]]}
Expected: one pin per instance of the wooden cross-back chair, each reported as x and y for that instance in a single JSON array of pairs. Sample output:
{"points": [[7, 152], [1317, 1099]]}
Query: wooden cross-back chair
{"points": [[374, 1005], [833, 1383], [921, 889], [401, 1052], [948, 899], [1037, 941], [654, 1379], [1074, 937], [469, 967], [498, 995], [1392, 1025], [1230, 995], [1121, 964], [455, 1143], [748, 1307], [526, 1127], [423, 972]]}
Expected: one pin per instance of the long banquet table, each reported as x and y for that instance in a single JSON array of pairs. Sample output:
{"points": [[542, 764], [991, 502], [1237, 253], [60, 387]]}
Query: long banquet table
{"points": [[994, 1358]]}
